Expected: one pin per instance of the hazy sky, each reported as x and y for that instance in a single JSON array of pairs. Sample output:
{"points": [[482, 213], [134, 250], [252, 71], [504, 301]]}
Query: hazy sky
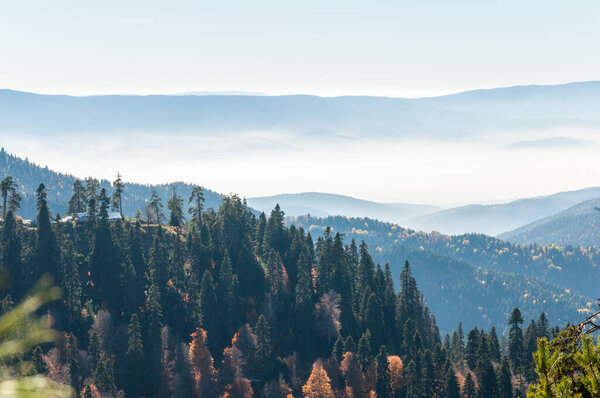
{"points": [[394, 48]]}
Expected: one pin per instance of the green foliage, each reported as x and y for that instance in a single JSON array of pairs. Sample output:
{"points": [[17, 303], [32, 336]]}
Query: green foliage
{"points": [[20, 331]]}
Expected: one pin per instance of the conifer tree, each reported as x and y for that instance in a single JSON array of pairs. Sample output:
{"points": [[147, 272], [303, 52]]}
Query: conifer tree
{"points": [[78, 201], [92, 186], [338, 349], [468, 390], [117, 199], [349, 345], [543, 326], [196, 202], [364, 352], [383, 386], [208, 313], [515, 339], [451, 387], [10, 255], [47, 256], [493, 345], [226, 298], [104, 377], [10, 196], [175, 206], [504, 380], [318, 384], [472, 346], [134, 358], [157, 207], [263, 345]]}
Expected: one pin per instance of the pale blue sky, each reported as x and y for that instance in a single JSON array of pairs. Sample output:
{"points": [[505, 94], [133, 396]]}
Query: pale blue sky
{"points": [[393, 48]]}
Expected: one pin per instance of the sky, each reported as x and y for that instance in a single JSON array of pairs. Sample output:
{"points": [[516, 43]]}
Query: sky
{"points": [[327, 48]]}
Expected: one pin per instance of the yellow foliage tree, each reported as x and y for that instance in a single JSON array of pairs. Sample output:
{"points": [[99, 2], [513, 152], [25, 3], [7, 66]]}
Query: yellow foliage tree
{"points": [[395, 366], [318, 384]]}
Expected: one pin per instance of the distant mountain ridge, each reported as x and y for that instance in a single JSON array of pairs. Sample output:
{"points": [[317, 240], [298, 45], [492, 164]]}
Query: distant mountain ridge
{"points": [[498, 218], [456, 115], [577, 226], [325, 204]]}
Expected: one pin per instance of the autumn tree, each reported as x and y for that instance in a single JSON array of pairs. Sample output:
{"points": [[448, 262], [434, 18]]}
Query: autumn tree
{"points": [[318, 384]]}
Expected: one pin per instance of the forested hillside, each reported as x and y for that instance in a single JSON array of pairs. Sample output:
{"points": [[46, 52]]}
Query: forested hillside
{"points": [[232, 305], [476, 277], [29, 175]]}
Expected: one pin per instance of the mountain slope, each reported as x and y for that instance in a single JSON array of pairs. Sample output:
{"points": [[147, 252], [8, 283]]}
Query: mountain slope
{"points": [[482, 280], [577, 226], [29, 175], [499, 218], [324, 204]]}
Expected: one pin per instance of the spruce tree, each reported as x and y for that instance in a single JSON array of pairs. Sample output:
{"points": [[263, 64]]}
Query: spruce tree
{"points": [[472, 346], [10, 196], [208, 310], [47, 255], [515, 339], [156, 205], [468, 390], [78, 201], [494, 345], [338, 349], [383, 386], [263, 345], [364, 352], [505, 389], [349, 345], [451, 387], [117, 199], [10, 255], [196, 202], [175, 206], [134, 359]]}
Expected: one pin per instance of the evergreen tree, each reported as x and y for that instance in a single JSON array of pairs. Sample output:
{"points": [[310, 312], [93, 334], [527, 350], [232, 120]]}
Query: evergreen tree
{"points": [[515, 339], [196, 202], [472, 346], [10, 196], [543, 326], [10, 255], [349, 345], [175, 205], [78, 201], [468, 390], [364, 353], [157, 207], [104, 377], [383, 386], [263, 345], [47, 256], [451, 387], [494, 345], [134, 359], [338, 349], [92, 186], [117, 199], [504, 380], [208, 313], [226, 298]]}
